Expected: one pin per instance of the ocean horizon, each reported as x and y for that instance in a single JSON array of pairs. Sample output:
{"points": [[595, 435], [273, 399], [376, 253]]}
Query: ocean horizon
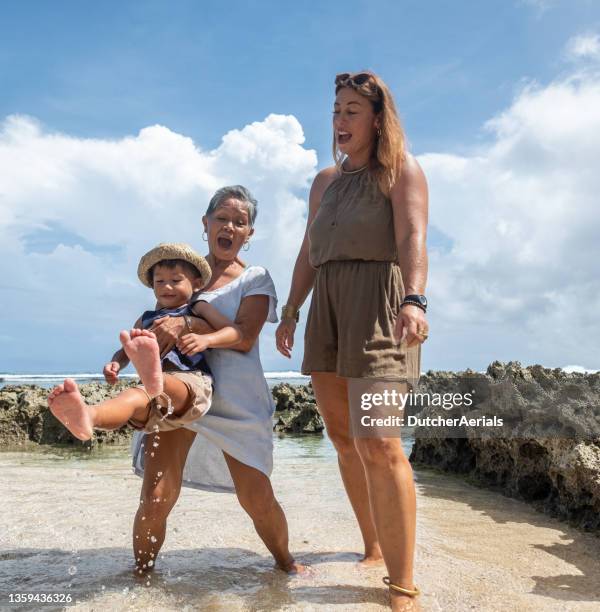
{"points": [[27, 377], [48, 379]]}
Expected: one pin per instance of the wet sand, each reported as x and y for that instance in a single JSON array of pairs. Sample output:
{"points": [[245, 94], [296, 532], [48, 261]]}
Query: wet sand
{"points": [[67, 519]]}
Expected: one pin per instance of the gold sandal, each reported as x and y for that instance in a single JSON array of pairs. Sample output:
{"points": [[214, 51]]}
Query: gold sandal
{"points": [[410, 592]]}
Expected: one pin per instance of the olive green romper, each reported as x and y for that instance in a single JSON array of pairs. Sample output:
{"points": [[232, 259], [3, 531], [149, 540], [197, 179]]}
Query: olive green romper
{"points": [[358, 286]]}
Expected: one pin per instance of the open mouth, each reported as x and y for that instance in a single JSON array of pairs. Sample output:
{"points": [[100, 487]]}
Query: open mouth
{"points": [[224, 243], [343, 137]]}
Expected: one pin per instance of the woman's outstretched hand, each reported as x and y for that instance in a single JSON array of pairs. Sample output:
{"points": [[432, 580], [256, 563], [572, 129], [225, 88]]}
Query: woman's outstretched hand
{"points": [[167, 330], [284, 337]]}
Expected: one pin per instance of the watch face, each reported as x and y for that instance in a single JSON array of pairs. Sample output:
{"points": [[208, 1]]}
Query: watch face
{"points": [[423, 300]]}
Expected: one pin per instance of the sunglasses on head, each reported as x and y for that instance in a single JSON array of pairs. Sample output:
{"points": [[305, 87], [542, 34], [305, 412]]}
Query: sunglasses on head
{"points": [[354, 80]]}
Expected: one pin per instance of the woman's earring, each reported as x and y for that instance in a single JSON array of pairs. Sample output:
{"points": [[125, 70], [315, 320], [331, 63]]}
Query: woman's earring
{"points": [[378, 132], [204, 234], [246, 244]]}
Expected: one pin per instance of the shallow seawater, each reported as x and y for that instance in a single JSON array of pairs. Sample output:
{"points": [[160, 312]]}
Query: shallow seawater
{"points": [[66, 531], [67, 517]]}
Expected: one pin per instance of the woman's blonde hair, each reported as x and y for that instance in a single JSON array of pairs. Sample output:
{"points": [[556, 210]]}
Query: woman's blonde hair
{"points": [[390, 143]]}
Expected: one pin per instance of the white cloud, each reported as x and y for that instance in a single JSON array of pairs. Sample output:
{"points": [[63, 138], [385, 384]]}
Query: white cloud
{"points": [[122, 197], [584, 46], [578, 369], [520, 280]]}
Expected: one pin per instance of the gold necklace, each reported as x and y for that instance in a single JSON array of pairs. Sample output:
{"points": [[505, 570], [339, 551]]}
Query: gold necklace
{"points": [[354, 171]]}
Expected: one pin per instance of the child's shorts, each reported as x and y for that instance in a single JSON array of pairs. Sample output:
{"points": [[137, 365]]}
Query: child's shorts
{"points": [[200, 387]]}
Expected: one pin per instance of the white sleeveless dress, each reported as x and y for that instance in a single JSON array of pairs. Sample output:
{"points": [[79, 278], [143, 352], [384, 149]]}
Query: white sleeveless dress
{"points": [[240, 419]]}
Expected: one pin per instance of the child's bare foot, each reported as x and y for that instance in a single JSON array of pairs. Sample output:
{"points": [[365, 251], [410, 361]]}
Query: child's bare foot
{"points": [[142, 349], [67, 405]]}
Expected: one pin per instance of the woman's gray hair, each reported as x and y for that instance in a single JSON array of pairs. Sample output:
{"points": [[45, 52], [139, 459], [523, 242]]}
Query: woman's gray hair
{"points": [[238, 192]]}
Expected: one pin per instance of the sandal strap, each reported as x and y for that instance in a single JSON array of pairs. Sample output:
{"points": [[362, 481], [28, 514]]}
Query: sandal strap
{"points": [[410, 592]]}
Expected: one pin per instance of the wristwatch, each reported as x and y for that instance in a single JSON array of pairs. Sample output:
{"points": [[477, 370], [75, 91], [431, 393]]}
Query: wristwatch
{"points": [[420, 301]]}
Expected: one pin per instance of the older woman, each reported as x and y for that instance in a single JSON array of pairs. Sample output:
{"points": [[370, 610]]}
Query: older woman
{"points": [[365, 258], [234, 448]]}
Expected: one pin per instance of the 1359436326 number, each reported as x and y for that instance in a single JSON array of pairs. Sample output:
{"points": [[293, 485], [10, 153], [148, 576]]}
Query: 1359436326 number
{"points": [[40, 597]]}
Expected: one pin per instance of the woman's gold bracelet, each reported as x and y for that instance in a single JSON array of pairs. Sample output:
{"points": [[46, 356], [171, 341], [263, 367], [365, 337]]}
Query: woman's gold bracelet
{"points": [[290, 312]]}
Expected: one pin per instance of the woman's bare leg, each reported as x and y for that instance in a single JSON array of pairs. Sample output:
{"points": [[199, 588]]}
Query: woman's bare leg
{"points": [[331, 394], [393, 502], [163, 473], [255, 494]]}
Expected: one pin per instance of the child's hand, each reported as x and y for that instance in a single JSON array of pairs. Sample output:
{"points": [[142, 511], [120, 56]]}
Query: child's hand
{"points": [[190, 344], [111, 372]]}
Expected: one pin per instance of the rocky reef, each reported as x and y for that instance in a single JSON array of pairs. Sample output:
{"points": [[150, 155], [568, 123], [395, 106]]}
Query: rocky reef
{"points": [[25, 417], [546, 450], [296, 409]]}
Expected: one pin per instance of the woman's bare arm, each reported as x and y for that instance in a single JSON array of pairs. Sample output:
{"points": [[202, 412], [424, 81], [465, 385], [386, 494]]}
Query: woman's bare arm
{"points": [[238, 336], [226, 333], [410, 205], [250, 319], [168, 330]]}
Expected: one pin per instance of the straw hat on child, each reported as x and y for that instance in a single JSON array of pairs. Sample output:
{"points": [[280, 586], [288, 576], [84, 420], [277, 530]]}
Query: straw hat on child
{"points": [[172, 250]]}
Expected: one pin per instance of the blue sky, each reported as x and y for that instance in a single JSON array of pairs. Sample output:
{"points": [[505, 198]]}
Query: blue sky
{"points": [[202, 68], [98, 73]]}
